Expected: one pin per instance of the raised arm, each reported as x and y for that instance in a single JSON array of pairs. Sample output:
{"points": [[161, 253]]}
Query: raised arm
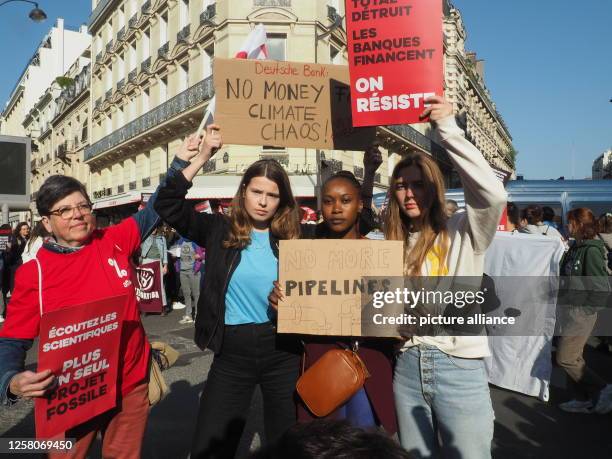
{"points": [[485, 196]]}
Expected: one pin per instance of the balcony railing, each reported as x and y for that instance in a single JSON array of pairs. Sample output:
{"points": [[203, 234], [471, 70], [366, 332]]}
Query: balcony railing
{"points": [[208, 14], [109, 46], [210, 166], [132, 75], [163, 50], [281, 158], [183, 34], [178, 104], [133, 20], [120, 84], [145, 65], [145, 6], [285, 3], [121, 34]]}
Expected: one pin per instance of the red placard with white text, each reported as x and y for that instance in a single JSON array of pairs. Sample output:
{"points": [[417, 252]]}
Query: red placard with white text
{"points": [[395, 59], [81, 346], [149, 285]]}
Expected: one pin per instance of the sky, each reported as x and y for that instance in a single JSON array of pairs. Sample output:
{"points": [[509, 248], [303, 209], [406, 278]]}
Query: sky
{"points": [[548, 66]]}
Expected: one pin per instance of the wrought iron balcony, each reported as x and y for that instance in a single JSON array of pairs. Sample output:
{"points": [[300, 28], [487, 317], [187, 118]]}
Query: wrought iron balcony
{"points": [[178, 104], [183, 34], [108, 94], [120, 84], [285, 3], [145, 6], [99, 57], [132, 75], [210, 166], [280, 157], [132, 185], [358, 171], [146, 181], [145, 65], [109, 46], [163, 50], [133, 20], [121, 34], [208, 14]]}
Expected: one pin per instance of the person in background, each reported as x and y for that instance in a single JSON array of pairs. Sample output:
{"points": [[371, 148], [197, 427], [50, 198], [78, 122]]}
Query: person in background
{"points": [[605, 234], [188, 266], [39, 234], [451, 207], [154, 249], [586, 257], [513, 222], [17, 246], [3, 282], [531, 222], [548, 217]]}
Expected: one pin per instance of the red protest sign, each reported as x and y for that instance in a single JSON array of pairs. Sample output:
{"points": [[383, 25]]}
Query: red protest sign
{"points": [[149, 287], [5, 234], [395, 59], [503, 221], [81, 346]]}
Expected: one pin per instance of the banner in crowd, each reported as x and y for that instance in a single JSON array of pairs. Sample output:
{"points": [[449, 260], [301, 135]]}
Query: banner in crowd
{"points": [[80, 345], [149, 285], [5, 235], [323, 284], [395, 59], [286, 104]]}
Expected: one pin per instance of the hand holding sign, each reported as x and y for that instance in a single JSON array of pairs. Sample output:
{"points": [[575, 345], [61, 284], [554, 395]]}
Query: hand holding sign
{"points": [[211, 142], [372, 159], [275, 296], [28, 384], [438, 109], [190, 147]]}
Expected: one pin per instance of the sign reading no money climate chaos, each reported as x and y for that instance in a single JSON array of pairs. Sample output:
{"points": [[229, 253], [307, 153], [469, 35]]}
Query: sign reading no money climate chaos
{"points": [[395, 59], [286, 104]]}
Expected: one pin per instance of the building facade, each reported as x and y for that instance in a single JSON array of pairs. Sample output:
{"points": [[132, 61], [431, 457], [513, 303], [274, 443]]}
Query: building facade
{"points": [[602, 166]]}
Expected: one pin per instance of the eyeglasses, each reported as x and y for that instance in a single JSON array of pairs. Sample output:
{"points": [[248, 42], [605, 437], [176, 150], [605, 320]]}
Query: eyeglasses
{"points": [[66, 213]]}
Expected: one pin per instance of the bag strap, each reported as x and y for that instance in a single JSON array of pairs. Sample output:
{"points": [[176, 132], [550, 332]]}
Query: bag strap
{"points": [[40, 303]]}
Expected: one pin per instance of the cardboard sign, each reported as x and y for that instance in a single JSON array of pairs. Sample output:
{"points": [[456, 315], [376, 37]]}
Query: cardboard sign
{"points": [[395, 59], [149, 285], [323, 284], [286, 104], [81, 346], [5, 235]]}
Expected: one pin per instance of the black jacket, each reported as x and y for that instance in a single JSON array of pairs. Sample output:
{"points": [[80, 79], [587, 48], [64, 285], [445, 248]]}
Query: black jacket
{"points": [[209, 231]]}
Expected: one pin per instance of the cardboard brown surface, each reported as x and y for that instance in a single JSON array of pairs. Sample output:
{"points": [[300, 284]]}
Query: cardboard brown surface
{"points": [[286, 104], [332, 306]]}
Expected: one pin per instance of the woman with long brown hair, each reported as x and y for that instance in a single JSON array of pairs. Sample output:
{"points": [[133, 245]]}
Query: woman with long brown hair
{"points": [[440, 385], [586, 257], [233, 318]]}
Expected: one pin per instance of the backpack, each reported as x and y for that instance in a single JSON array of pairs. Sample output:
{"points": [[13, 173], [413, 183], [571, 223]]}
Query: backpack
{"points": [[608, 256]]}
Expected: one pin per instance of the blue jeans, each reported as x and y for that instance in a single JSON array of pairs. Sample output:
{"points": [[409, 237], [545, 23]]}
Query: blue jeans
{"points": [[443, 405]]}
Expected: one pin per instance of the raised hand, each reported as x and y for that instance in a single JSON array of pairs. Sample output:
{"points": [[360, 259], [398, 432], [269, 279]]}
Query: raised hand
{"points": [[211, 142], [438, 109], [372, 159], [28, 384], [189, 148]]}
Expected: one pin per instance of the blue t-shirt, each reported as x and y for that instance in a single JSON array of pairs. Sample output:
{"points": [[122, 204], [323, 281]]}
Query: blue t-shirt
{"points": [[246, 300]]}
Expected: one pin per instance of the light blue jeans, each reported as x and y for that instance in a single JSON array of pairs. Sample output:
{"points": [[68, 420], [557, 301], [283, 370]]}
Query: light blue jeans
{"points": [[443, 405]]}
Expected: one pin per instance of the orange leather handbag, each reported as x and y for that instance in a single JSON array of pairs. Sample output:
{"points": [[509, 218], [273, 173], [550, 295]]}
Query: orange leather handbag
{"points": [[331, 381]]}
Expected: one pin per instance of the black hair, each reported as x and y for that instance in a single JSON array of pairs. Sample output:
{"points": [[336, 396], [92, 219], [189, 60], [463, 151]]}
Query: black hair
{"points": [[548, 214], [17, 231], [513, 213], [532, 213], [344, 175], [327, 439], [56, 188]]}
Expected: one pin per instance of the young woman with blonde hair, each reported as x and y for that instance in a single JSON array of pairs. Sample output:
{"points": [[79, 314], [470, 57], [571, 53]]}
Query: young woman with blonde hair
{"points": [[440, 385]]}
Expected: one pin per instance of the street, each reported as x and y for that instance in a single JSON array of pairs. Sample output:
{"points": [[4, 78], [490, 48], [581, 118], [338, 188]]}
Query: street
{"points": [[524, 426]]}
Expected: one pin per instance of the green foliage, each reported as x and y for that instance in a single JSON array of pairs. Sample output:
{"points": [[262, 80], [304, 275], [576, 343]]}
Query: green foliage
{"points": [[64, 82]]}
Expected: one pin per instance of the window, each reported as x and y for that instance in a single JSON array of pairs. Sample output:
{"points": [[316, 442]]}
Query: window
{"points": [[163, 89], [121, 17], [207, 60], [183, 13], [183, 75], [277, 46], [120, 68], [145, 101], [120, 118], [108, 80], [132, 56], [163, 29], [145, 45]]}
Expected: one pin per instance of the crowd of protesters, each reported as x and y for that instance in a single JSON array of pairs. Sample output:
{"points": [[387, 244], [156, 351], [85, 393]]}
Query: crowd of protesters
{"points": [[431, 390]]}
